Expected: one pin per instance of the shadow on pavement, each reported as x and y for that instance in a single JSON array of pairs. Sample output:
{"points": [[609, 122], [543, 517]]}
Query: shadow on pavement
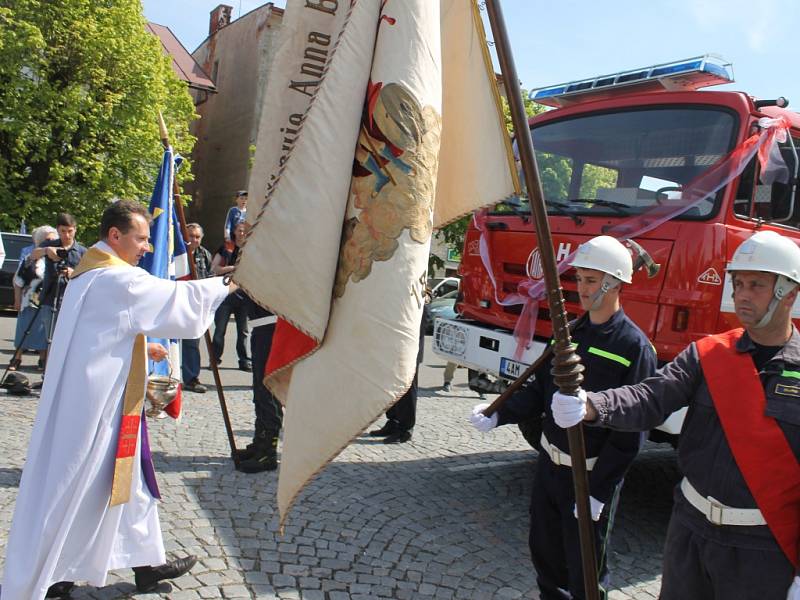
{"points": [[463, 518]]}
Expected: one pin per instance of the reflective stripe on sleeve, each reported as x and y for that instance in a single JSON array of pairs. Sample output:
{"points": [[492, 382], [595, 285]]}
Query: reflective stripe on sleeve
{"points": [[610, 356]]}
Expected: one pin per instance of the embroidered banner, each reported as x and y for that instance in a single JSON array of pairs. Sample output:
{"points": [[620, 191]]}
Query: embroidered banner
{"points": [[388, 147]]}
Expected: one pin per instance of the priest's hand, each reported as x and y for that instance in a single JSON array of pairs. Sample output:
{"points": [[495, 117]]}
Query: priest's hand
{"points": [[156, 352]]}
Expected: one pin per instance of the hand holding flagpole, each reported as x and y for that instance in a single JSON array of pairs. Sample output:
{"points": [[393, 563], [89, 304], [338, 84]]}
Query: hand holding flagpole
{"points": [[567, 366]]}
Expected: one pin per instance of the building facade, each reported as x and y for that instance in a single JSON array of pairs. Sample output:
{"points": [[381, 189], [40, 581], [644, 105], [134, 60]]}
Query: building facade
{"points": [[237, 56]]}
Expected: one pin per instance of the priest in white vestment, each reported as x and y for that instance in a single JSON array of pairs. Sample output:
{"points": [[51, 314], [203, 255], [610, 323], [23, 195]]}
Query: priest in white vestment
{"points": [[66, 526]]}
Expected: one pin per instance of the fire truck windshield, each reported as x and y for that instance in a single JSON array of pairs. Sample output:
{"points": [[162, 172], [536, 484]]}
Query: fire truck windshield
{"points": [[623, 163]]}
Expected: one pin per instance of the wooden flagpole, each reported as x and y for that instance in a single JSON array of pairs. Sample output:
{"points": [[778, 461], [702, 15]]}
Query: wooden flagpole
{"points": [[193, 271], [567, 368], [528, 373]]}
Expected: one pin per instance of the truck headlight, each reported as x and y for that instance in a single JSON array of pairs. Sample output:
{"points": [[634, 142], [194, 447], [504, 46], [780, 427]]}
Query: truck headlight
{"points": [[450, 338]]}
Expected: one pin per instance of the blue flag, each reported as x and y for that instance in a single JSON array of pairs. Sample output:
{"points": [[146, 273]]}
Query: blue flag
{"points": [[167, 257]]}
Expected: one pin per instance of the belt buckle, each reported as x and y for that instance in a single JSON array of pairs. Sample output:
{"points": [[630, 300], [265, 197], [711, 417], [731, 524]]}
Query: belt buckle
{"points": [[715, 511]]}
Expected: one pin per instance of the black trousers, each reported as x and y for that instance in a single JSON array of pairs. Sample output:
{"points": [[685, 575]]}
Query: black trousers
{"points": [[404, 411], [236, 306], [696, 567], [269, 412], [554, 539]]}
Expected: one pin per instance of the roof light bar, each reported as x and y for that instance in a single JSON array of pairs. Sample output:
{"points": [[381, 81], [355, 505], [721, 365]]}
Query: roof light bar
{"points": [[683, 75]]}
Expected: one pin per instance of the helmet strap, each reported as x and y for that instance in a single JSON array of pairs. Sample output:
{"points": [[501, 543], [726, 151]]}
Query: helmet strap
{"points": [[783, 286], [609, 282]]}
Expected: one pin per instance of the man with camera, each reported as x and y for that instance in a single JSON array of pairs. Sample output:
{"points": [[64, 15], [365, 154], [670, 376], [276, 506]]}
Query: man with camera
{"points": [[63, 256]]}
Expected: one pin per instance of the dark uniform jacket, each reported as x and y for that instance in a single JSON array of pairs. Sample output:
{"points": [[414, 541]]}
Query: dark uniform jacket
{"points": [[705, 458], [613, 353]]}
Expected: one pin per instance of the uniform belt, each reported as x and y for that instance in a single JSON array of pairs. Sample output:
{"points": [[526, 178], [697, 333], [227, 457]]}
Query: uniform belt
{"points": [[562, 458], [719, 514], [261, 321]]}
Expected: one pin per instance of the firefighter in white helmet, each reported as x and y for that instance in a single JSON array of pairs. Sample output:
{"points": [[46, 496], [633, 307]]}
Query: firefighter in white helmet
{"points": [[735, 526], [614, 352], [608, 256]]}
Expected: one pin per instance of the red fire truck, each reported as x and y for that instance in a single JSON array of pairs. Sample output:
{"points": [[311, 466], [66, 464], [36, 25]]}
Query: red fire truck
{"points": [[618, 148]]}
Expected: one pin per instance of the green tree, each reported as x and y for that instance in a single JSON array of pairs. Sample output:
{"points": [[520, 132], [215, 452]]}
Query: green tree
{"points": [[81, 84]]}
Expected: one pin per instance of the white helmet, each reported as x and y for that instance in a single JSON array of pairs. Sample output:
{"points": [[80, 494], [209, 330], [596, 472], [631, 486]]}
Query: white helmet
{"points": [[769, 252], [606, 254]]}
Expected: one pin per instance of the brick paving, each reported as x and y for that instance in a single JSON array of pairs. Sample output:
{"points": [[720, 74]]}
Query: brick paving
{"points": [[442, 517]]}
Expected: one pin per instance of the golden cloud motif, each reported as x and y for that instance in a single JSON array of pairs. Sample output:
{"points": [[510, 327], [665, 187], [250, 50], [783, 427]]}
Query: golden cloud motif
{"points": [[394, 180]]}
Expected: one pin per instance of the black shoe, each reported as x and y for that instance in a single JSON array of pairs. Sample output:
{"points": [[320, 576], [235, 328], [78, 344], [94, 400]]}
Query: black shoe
{"points": [[245, 453], [261, 461], [195, 386], [60, 589], [245, 365], [389, 428], [147, 578], [401, 437], [264, 455]]}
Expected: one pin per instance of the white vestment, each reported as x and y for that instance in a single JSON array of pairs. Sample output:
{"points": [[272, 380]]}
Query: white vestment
{"points": [[63, 528]]}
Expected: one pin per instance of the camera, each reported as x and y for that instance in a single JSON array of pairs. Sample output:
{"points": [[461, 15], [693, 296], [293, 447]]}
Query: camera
{"points": [[61, 265]]}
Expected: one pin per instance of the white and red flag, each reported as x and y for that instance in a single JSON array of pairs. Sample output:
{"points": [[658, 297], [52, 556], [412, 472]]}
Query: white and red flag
{"points": [[381, 122]]}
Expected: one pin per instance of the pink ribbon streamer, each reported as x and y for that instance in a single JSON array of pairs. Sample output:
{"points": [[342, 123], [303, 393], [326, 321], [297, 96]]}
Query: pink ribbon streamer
{"points": [[773, 168]]}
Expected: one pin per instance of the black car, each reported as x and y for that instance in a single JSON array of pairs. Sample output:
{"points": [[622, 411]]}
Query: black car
{"points": [[13, 244]]}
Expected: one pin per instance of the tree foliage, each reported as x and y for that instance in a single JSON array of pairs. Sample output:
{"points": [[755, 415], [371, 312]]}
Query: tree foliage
{"points": [[81, 84]]}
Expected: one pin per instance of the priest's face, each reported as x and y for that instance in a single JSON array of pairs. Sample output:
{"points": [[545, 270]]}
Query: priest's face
{"points": [[131, 245]]}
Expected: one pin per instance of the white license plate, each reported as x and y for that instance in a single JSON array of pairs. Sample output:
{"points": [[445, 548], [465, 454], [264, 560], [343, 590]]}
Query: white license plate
{"points": [[511, 368]]}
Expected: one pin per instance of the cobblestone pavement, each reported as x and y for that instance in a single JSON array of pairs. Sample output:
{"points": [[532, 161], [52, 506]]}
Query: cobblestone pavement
{"points": [[444, 516]]}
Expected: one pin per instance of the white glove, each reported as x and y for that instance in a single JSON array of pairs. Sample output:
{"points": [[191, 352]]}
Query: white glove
{"points": [[569, 410], [596, 508], [480, 421], [794, 591]]}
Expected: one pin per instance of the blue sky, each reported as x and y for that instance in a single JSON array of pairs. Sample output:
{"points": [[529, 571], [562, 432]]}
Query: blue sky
{"points": [[554, 42]]}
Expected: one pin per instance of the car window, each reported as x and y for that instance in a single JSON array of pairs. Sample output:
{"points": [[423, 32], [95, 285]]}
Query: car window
{"points": [[13, 245]]}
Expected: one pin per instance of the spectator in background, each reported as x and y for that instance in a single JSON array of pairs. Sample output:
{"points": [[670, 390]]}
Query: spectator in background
{"points": [[235, 304], [23, 254], [2, 251], [402, 416], [236, 214], [190, 349], [27, 285], [449, 373], [57, 269]]}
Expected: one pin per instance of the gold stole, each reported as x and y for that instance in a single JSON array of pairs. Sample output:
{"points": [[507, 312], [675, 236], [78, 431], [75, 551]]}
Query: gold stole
{"points": [[134, 389]]}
